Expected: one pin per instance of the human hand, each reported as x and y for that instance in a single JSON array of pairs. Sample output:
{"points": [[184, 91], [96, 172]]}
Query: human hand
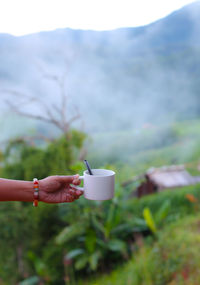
{"points": [[58, 189]]}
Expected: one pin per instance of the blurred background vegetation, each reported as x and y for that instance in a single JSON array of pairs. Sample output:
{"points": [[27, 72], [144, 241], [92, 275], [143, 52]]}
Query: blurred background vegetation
{"points": [[129, 102], [68, 243]]}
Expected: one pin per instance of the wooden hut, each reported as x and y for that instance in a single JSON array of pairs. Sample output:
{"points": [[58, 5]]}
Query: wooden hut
{"points": [[158, 179]]}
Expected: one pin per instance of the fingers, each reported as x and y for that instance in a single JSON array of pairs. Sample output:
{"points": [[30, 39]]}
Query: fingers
{"points": [[72, 194], [74, 179], [69, 198], [75, 193], [63, 197]]}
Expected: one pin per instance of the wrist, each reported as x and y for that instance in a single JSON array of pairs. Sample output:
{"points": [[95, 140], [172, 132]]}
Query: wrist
{"points": [[41, 190], [25, 193]]}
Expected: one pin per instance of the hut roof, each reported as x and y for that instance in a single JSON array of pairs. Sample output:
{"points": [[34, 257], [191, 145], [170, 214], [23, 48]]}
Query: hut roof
{"points": [[171, 176]]}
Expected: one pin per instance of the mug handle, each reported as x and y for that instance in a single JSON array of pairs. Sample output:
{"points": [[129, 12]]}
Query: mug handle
{"points": [[78, 187]]}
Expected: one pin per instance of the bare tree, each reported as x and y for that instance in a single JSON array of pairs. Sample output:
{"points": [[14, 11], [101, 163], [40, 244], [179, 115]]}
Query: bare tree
{"points": [[55, 114]]}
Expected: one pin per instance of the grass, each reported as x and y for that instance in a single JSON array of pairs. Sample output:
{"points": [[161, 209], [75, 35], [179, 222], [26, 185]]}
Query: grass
{"points": [[171, 260], [177, 239], [180, 206]]}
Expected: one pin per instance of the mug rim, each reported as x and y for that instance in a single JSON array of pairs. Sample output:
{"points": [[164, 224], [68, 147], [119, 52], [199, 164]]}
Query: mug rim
{"points": [[106, 170]]}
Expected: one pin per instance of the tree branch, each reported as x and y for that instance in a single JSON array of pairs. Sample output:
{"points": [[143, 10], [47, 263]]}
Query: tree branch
{"points": [[55, 114]]}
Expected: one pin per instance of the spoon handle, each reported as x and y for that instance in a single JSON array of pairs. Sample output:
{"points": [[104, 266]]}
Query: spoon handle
{"points": [[88, 167]]}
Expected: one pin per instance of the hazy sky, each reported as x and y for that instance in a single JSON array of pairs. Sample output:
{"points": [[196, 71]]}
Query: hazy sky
{"points": [[19, 17]]}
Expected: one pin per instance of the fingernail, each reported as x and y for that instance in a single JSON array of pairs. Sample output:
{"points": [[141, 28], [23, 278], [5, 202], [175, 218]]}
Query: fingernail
{"points": [[76, 176]]}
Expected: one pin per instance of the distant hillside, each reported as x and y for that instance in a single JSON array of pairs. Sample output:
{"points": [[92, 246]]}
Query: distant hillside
{"points": [[118, 79]]}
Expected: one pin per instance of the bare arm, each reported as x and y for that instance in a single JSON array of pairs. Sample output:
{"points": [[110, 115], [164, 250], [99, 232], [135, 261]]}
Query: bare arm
{"points": [[16, 190], [53, 189]]}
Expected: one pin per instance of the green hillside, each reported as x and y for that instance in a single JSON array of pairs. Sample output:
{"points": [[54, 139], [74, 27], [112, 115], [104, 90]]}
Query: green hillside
{"points": [[156, 146], [172, 259]]}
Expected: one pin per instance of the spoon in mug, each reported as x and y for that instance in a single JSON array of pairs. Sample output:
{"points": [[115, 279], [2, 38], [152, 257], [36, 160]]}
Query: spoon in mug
{"points": [[88, 167]]}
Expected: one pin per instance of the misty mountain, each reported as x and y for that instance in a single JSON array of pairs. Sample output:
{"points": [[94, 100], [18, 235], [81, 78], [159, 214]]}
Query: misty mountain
{"points": [[119, 79]]}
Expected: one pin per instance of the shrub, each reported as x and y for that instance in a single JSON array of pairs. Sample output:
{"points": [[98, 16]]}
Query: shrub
{"points": [[173, 259]]}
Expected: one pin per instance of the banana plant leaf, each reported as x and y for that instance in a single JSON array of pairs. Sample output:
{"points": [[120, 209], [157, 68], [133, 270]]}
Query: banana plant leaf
{"points": [[149, 220], [70, 232]]}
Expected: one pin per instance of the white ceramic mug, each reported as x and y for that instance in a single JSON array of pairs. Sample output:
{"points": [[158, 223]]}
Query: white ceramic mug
{"points": [[99, 186]]}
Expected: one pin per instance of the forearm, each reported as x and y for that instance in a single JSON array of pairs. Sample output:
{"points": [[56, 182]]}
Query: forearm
{"points": [[16, 190]]}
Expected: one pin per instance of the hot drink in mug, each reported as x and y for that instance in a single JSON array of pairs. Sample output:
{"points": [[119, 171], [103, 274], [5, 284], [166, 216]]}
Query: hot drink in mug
{"points": [[98, 186]]}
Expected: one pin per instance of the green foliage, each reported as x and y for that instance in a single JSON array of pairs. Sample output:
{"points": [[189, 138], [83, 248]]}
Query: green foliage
{"points": [[59, 242], [39, 265], [108, 228], [153, 222], [69, 232], [27, 234], [24, 161], [177, 205], [163, 212], [149, 220], [99, 230], [33, 280], [172, 259]]}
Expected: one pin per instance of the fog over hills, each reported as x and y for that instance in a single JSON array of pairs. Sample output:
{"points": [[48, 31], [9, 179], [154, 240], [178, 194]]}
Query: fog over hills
{"points": [[118, 79]]}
